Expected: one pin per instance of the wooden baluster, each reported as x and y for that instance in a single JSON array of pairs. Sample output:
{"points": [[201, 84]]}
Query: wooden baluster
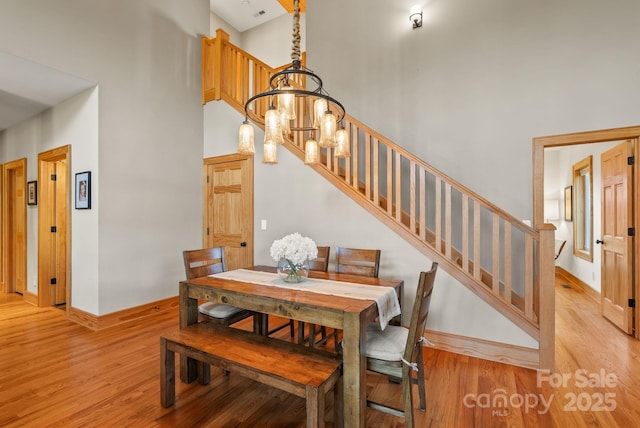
{"points": [[376, 171], [398, 193], [245, 81], [447, 219], [389, 181], [465, 233], [352, 141], [528, 276], [423, 205], [367, 165], [412, 197], [355, 155], [476, 241], [495, 275], [438, 206], [507, 262]]}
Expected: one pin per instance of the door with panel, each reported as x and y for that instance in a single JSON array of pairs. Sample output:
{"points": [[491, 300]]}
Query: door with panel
{"points": [[617, 236], [15, 226], [228, 208], [53, 230]]}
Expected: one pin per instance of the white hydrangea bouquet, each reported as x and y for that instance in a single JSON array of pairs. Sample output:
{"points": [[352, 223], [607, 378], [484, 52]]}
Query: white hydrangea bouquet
{"points": [[292, 254]]}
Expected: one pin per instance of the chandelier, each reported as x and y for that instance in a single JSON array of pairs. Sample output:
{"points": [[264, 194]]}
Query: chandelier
{"points": [[292, 106]]}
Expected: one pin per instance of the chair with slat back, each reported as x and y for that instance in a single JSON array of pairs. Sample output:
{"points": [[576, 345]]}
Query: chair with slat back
{"points": [[354, 261], [358, 261], [397, 351], [559, 245], [320, 264], [208, 261]]}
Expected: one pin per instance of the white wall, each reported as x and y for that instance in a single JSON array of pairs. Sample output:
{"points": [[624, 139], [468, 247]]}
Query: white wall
{"points": [[469, 90], [145, 56], [72, 121], [216, 22], [271, 41], [292, 197]]}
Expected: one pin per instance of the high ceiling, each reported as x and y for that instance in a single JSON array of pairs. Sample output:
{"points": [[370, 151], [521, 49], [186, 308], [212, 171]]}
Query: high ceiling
{"points": [[28, 88], [246, 14]]}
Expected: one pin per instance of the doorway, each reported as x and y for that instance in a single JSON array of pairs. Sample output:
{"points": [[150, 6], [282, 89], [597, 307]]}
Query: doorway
{"points": [[53, 228], [14, 227], [228, 208], [618, 134]]}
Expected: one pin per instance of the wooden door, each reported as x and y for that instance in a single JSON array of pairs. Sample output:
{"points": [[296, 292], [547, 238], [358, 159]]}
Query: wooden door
{"points": [[3, 288], [53, 270], [617, 270], [228, 208], [15, 226]]}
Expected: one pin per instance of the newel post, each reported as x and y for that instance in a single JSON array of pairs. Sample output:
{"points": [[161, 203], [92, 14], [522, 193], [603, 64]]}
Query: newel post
{"points": [[547, 281], [222, 37]]}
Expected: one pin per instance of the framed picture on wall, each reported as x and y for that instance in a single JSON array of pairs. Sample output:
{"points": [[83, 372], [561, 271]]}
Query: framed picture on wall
{"points": [[83, 190], [32, 193], [568, 203]]}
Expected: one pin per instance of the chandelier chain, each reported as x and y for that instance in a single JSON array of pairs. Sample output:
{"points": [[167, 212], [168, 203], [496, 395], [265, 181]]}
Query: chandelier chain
{"points": [[295, 48]]}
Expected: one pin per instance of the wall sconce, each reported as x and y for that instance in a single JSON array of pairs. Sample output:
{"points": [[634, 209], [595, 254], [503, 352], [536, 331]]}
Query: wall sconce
{"points": [[416, 16]]}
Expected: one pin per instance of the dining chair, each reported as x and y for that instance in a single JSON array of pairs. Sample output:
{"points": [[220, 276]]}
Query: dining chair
{"points": [[559, 245], [208, 261], [354, 261], [357, 261], [320, 264], [397, 351]]}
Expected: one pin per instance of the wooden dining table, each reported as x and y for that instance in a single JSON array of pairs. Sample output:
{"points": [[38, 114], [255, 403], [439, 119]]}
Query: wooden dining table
{"points": [[351, 315]]}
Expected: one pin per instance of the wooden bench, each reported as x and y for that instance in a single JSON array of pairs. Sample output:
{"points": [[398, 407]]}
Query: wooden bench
{"points": [[305, 372]]}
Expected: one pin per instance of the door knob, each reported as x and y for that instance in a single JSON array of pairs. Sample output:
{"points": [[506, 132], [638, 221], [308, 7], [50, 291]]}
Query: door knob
{"points": [[599, 241], [243, 244]]}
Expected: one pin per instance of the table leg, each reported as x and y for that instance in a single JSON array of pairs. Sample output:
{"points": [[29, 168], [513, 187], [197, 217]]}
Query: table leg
{"points": [[354, 371]]}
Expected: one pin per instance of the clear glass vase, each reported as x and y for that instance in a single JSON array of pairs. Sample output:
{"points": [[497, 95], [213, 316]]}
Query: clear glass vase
{"points": [[291, 272]]}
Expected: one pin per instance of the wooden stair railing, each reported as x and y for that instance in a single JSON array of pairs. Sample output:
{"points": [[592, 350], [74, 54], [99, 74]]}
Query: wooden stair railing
{"points": [[494, 254]]}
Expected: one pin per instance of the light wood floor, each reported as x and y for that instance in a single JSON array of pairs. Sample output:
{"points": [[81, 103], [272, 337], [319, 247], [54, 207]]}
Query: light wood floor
{"points": [[56, 373]]}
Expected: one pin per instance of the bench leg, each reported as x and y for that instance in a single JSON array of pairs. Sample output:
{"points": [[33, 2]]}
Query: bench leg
{"points": [[315, 407], [167, 374], [338, 404]]}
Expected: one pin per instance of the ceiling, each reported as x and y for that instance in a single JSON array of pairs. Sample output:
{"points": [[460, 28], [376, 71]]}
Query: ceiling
{"points": [[246, 14], [28, 88]]}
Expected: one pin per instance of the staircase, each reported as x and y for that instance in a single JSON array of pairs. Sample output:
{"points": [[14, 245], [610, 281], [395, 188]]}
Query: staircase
{"points": [[503, 261]]}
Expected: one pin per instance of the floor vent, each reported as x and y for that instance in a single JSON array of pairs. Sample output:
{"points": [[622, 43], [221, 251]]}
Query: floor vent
{"points": [[566, 286]]}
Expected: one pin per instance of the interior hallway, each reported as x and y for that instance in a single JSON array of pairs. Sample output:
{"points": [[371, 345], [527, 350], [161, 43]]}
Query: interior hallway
{"points": [[56, 373]]}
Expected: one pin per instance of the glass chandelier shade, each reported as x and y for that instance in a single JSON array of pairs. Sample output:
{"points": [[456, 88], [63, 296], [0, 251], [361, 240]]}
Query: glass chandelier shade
{"points": [[269, 154], [342, 144], [286, 102], [272, 128], [319, 109], [311, 155], [328, 127], [245, 139], [285, 124]]}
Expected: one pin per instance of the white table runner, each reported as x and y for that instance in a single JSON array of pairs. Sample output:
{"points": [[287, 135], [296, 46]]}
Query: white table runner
{"points": [[385, 297]]}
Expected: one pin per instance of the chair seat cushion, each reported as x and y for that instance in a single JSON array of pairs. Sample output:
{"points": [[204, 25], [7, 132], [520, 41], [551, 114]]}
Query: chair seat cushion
{"points": [[218, 310], [387, 344]]}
